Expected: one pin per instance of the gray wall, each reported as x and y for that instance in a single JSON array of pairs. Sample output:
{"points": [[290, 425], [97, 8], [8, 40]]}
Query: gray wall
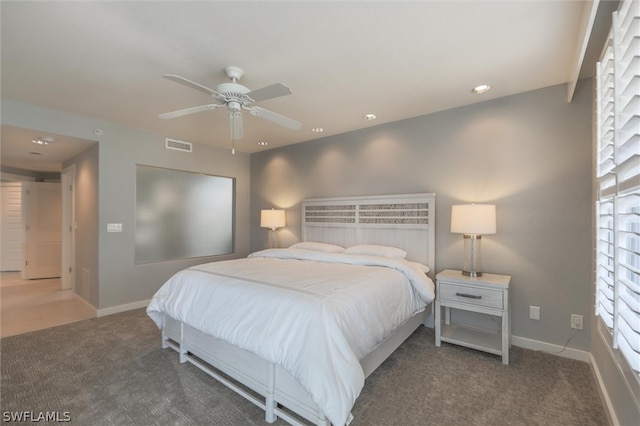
{"points": [[119, 280], [120, 150], [530, 154], [86, 219]]}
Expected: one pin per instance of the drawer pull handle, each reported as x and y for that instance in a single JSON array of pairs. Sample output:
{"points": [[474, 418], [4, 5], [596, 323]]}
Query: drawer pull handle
{"points": [[469, 296]]}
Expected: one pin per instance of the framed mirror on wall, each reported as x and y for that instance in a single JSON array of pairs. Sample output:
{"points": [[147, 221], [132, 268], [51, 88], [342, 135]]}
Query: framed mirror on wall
{"points": [[182, 214]]}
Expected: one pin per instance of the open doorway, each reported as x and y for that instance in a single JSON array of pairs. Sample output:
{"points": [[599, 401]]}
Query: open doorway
{"points": [[71, 164], [33, 304], [32, 228]]}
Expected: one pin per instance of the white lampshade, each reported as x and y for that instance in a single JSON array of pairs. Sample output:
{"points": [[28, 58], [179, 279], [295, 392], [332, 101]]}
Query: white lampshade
{"points": [[475, 219], [272, 219]]}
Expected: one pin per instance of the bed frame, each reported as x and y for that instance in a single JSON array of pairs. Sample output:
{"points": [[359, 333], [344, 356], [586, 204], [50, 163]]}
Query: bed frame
{"points": [[405, 221]]}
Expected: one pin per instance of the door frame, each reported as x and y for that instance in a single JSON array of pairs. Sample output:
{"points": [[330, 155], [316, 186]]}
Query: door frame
{"points": [[68, 274]]}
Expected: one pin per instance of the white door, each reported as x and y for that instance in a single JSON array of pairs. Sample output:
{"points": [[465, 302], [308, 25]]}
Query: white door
{"points": [[12, 231], [42, 204]]}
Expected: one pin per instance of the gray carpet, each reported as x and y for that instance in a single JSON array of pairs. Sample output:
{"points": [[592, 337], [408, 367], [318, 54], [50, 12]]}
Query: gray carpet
{"points": [[112, 371]]}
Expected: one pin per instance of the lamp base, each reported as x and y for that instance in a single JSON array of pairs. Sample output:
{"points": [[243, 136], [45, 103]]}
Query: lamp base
{"points": [[472, 260], [273, 238]]}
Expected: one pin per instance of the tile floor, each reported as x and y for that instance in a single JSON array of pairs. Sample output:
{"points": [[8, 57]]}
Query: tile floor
{"points": [[29, 305]]}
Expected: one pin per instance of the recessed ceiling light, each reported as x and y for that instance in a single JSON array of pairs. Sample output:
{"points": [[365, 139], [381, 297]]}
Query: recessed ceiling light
{"points": [[483, 88], [317, 130], [370, 117], [263, 143], [46, 140]]}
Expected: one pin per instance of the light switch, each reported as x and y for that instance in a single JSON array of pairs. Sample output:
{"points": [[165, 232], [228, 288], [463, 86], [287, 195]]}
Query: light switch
{"points": [[114, 227], [534, 312]]}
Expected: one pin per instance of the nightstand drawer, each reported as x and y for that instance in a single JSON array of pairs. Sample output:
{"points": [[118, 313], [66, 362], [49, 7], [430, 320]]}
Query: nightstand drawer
{"points": [[471, 295]]}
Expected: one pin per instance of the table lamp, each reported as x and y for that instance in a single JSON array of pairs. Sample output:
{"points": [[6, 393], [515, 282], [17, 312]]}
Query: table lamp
{"points": [[473, 220], [272, 219]]}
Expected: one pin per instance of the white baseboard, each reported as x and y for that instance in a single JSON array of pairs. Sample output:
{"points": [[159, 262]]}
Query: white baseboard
{"points": [[550, 348], [611, 412], [122, 308]]}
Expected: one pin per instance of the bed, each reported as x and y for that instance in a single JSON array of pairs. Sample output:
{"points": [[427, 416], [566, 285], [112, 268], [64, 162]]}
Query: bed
{"points": [[296, 331]]}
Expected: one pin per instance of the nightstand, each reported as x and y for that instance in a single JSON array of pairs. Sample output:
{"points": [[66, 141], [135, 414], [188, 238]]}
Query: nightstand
{"points": [[488, 294]]}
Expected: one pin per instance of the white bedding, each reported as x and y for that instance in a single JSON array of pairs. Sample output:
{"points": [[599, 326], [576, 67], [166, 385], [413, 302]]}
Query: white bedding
{"points": [[315, 314]]}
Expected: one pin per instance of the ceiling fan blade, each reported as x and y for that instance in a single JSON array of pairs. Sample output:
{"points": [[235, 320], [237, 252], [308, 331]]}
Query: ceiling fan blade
{"points": [[276, 118], [191, 84], [235, 124], [186, 111], [273, 91]]}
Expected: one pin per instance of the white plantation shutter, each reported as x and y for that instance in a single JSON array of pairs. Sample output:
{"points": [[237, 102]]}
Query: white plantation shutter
{"points": [[618, 180], [606, 186]]}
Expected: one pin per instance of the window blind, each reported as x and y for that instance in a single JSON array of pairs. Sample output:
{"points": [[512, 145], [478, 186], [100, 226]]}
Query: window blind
{"points": [[618, 182]]}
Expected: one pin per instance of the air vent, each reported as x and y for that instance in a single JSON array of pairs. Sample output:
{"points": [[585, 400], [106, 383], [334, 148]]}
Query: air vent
{"points": [[178, 145]]}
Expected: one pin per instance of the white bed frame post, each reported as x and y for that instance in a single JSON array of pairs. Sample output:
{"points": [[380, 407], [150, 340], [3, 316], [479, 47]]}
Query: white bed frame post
{"points": [[183, 346], [270, 401], [165, 338]]}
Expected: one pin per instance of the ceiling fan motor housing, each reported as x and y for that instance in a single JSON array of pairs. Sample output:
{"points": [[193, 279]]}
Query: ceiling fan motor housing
{"points": [[233, 92]]}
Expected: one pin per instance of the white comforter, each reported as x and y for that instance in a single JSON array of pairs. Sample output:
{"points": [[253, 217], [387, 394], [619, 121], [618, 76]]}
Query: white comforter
{"points": [[316, 314]]}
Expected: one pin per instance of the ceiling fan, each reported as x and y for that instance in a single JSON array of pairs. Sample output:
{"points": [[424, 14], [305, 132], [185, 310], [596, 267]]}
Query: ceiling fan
{"points": [[236, 97]]}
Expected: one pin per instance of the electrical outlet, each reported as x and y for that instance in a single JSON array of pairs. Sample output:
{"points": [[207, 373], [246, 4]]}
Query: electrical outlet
{"points": [[576, 321], [534, 312]]}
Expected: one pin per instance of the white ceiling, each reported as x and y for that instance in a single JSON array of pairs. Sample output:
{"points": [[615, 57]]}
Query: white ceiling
{"points": [[341, 59], [19, 152]]}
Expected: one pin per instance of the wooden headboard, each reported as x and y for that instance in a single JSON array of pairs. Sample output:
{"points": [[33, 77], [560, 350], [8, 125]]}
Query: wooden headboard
{"points": [[406, 221]]}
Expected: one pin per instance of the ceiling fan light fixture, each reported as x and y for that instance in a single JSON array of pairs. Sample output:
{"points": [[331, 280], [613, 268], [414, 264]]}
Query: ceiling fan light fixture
{"points": [[370, 117], [480, 89], [234, 107], [317, 130], [263, 143]]}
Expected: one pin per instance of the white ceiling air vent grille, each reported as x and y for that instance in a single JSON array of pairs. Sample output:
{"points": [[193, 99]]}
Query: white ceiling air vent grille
{"points": [[178, 145]]}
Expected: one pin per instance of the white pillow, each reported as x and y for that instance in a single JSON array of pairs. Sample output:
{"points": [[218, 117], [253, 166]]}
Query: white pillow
{"points": [[376, 250], [324, 247]]}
